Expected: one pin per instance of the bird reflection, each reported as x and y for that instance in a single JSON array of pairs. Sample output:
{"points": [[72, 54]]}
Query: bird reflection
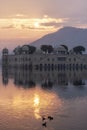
{"points": [[50, 117], [44, 124], [45, 120]]}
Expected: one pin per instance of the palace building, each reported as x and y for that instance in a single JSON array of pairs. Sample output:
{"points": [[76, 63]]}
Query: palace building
{"points": [[58, 59]]}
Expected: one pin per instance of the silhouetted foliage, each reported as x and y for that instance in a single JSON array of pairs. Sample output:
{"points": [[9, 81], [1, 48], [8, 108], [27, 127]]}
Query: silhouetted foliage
{"points": [[44, 48], [17, 50], [50, 49], [32, 49], [79, 49], [26, 49], [47, 48]]}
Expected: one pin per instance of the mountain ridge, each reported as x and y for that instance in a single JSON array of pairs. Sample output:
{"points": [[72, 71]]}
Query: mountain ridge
{"points": [[69, 36]]}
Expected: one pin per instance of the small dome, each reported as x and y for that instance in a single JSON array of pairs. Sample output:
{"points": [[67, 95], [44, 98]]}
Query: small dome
{"points": [[61, 48], [5, 51], [25, 48]]}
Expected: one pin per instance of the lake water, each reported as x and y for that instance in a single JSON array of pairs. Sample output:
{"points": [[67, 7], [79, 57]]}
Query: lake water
{"points": [[26, 97]]}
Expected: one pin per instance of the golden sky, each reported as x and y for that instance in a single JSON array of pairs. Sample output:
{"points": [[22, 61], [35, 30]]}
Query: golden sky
{"points": [[32, 19], [20, 26]]}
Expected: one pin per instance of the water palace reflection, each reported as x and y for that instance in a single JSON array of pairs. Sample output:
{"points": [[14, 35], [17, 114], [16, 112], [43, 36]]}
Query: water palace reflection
{"points": [[46, 79]]}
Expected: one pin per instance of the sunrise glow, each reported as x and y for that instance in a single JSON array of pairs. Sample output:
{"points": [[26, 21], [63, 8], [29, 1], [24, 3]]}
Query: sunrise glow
{"points": [[36, 24], [32, 20], [36, 100]]}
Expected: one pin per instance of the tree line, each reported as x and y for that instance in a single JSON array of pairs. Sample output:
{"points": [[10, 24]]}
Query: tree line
{"points": [[47, 49]]}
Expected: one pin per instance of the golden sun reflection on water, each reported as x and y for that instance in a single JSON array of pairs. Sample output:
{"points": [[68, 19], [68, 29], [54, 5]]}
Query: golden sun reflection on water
{"points": [[36, 106], [36, 100], [44, 102], [32, 103]]}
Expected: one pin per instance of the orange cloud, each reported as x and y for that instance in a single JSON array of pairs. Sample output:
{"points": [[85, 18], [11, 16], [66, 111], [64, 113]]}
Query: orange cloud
{"points": [[8, 27], [34, 23], [21, 26]]}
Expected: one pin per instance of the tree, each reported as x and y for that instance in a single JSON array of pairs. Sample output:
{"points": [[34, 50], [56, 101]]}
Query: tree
{"points": [[47, 48], [17, 50], [44, 48], [79, 49], [50, 49], [32, 49]]}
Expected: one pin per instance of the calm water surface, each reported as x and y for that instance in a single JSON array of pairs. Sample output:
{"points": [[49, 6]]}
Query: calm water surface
{"points": [[25, 97]]}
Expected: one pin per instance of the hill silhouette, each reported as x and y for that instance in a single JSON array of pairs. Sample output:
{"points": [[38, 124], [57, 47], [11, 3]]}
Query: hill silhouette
{"points": [[69, 36]]}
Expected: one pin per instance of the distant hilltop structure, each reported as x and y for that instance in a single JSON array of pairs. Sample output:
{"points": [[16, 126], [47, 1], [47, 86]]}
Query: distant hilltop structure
{"points": [[46, 58]]}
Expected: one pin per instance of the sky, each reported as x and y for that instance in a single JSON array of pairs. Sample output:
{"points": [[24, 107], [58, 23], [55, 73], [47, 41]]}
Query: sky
{"points": [[24, 21]]}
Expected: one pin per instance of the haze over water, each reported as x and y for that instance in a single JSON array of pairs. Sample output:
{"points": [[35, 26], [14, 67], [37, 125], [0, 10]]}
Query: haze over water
{"points": [[25, 97]]}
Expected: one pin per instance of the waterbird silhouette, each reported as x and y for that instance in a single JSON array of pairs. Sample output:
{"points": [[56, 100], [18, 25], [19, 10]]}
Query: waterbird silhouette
{"points": [[43, 118], [50, 117], [44, 124]]}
